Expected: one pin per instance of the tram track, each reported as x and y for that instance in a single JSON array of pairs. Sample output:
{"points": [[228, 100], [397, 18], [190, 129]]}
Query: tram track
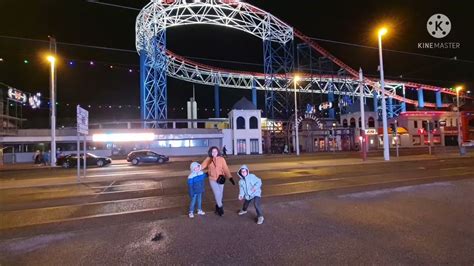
{"points": [[176, 197]]}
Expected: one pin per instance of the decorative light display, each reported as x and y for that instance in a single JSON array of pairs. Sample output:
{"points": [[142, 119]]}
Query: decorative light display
{"points": [[35, 101], [17, 95]]}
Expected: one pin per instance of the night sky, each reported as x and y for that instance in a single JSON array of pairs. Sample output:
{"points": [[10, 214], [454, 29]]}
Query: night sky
{"points": [[78, 21]]}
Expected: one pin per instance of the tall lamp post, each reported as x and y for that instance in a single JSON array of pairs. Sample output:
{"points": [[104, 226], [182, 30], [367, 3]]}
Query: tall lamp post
{"points": [[297, 139], [386, 151], [461, 151], [52, 61]]}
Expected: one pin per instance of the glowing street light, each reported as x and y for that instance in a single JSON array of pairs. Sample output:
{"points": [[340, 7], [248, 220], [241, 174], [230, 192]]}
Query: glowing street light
{"points": [[461, 151], [51, 59], [297, 140], [386, 151]]}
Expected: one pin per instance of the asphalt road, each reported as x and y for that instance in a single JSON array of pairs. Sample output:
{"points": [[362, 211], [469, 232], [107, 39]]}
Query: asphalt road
{"points": [[48, 212], [427, 224]]}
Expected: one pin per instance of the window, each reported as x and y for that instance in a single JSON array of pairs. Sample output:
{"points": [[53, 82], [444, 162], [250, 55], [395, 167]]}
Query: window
{"points": [[254, 147], [344, 123], [353, 122], [371, 122], [199, 143], [241, 146], [415, 124], [186, 143], [253, 122], [240, 123], [360, 122]]}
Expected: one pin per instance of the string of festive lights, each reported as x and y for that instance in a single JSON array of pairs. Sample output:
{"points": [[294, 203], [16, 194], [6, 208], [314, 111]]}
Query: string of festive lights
{"points": [[130, 68], [114, 107]]}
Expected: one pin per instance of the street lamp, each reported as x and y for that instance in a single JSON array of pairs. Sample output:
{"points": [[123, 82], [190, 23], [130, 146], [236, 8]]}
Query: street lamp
{"points": [[297, 140], [386, 151], [52, 61], [459, 89]]}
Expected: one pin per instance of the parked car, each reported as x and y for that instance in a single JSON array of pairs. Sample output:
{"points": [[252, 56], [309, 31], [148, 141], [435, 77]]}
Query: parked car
{"points": [[469, 143], [70, 160], [146, 156]]}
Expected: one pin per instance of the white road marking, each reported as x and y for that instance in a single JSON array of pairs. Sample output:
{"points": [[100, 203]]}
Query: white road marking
{"points": [[453, 168], [124, 174], [109, 186], [375, 193]]}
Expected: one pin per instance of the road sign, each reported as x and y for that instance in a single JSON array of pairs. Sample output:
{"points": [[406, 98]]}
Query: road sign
{"points": [[82, 121]]}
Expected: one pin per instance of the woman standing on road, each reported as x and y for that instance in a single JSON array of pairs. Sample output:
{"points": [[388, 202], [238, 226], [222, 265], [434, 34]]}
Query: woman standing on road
{"points": [[217, 172]]}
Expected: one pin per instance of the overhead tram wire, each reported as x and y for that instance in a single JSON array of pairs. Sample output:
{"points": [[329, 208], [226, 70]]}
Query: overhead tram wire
{"points": [[236, 62], [220, 60], [393, 51], [113, 5]]}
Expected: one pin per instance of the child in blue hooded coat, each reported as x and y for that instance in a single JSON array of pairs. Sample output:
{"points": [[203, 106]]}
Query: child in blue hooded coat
{"points": [[250, 189], [196, 188]]}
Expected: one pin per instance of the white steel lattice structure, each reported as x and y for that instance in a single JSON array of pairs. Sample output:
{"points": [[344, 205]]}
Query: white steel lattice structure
{"points": [[277, 36]]}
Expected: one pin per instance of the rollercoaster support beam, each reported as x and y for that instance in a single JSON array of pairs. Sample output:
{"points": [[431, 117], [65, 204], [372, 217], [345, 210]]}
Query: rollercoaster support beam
{"points": [[143, 74], [217, 101], [403, 104], [439, 102], [332, 112], [390, 107], [278, 59], [153, 82], [376, 101], [254, 92], [421, 100]]}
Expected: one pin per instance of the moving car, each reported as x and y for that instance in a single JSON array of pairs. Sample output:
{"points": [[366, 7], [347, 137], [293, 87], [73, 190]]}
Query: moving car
{"points": [[146, 156], [70, 160]]}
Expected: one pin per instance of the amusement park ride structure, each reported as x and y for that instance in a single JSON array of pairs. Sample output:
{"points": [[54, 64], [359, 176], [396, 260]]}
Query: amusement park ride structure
{"points": [[157, 62]]}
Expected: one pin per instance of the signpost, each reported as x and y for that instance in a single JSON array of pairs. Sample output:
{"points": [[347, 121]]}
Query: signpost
{"points": [[396, 136], [429, 135], [82, 128]]}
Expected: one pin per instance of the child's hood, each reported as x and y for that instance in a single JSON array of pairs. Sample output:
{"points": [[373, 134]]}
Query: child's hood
{"points": [[193, 165], [243, 167]]}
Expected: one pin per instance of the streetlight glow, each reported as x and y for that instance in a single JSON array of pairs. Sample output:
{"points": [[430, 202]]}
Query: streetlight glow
{"points": [[51, 59], [383, 31], [297, 78], [458, 88]]}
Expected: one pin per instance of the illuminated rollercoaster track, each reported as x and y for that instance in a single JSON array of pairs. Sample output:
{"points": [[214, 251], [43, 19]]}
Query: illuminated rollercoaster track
{"points": [[157, 62]]}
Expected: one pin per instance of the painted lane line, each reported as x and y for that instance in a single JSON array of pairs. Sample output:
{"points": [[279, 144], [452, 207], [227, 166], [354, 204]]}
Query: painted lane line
{"points": [[109, 186], [454, 168]]}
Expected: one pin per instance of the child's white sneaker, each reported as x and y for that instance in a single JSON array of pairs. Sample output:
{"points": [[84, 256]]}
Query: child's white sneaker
{"points": [[200, 212], [191, 215], [260, 220], [242, 212]]}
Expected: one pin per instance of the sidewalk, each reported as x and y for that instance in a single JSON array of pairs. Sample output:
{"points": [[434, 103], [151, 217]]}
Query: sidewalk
{"points": [[437, 151]]}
